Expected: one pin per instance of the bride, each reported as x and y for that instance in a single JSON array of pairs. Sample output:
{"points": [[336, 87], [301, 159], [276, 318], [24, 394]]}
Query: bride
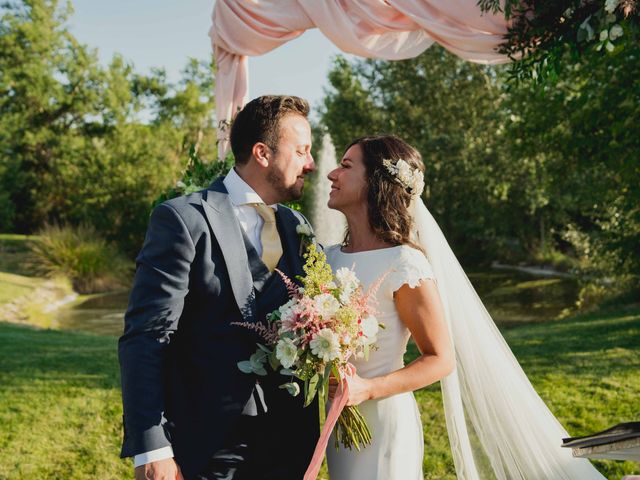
{"points": [[498, 427]]}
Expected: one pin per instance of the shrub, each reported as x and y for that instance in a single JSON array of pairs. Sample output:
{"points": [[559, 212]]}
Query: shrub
{"points": [[197, 175], [91, 263]]}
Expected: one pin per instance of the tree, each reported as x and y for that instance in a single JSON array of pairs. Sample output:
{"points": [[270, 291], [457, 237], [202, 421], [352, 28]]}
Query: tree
{"points": [[445, 107], [82, 143], [533, 171], [543, 33], [586, 126]]}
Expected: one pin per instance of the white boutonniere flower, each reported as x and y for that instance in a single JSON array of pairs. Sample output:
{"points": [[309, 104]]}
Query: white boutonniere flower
{"points": [[304, 230], [306, 236]]}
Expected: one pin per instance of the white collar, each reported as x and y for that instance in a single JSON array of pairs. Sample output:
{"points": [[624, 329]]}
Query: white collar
{"points": [[240, 192]]}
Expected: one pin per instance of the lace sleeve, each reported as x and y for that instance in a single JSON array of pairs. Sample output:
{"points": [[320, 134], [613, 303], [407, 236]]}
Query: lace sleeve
{"points": [[411, 269]]}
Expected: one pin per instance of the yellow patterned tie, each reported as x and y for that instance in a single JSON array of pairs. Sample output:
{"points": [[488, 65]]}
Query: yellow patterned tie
{"points": [[271, 246]]}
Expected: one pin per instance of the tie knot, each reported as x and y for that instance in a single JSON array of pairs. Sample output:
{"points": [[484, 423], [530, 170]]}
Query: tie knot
{"points": [[266, 212]]}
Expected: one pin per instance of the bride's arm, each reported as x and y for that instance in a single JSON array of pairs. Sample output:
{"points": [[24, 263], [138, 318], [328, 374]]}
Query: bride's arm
{"points": [[420, 309]]}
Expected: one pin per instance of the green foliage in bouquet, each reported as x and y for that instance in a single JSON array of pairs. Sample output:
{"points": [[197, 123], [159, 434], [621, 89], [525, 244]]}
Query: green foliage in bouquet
{"points": [[317, 272]]}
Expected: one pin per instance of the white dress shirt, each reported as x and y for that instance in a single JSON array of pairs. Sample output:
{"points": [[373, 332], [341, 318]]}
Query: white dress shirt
{"points": [[241, 196]]}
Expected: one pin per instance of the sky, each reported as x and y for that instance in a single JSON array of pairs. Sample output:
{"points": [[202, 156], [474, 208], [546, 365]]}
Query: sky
{"points": [[165, 33]]}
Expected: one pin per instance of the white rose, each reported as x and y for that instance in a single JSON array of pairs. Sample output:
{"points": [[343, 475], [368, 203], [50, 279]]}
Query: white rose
{"points": [[370, 328], [326, 305], [347, 278], [286, 352], [325, 345]]}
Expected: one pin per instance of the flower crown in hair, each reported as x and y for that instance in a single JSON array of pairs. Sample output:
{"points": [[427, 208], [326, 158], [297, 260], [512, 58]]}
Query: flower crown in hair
{"points": [[412, 179]]}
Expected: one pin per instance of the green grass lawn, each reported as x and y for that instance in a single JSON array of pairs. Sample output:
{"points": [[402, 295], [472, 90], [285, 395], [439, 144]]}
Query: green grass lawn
{"points": [[60, 400], [586, 369], [60, 407]]}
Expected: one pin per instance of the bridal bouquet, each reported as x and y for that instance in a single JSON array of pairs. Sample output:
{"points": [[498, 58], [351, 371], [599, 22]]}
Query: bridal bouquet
{"points": [[326, 321]]}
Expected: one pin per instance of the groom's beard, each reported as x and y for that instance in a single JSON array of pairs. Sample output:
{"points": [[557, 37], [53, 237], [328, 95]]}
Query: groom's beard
{"points": [[286, 194]]}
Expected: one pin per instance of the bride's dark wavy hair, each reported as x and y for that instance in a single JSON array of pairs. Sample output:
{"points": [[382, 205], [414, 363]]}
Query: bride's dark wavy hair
{"points": [[387, 200]]}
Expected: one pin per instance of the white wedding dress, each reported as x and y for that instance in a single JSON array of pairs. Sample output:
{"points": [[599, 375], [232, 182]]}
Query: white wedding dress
{"points": [[397, 448], [498, 426]]}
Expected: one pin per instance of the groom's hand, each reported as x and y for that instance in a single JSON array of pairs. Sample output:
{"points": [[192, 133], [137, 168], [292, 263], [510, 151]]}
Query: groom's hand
{"points": [[166, 469]]}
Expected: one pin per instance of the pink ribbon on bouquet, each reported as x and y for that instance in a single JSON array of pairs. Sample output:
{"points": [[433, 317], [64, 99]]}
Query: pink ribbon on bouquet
{"points": [[338, 404]]}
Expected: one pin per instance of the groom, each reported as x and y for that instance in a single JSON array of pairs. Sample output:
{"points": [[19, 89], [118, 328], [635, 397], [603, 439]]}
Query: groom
{"points": [[208, 260]]}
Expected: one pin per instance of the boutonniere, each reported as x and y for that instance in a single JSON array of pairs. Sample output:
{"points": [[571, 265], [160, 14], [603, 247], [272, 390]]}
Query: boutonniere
{"points": [[307, 237]]}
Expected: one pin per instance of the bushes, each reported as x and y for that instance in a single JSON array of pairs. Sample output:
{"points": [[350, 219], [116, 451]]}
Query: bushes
{"points": [[197, 175], [91, 263]]}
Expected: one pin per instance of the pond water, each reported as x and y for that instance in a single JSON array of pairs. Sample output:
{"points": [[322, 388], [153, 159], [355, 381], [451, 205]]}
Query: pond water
{"points": [[511, 297], [101, 314]]}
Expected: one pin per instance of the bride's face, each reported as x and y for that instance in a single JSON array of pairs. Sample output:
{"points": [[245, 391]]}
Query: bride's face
{"points": [[348, 184]]}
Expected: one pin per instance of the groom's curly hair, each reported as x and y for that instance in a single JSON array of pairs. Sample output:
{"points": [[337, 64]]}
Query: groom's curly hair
{"points": [[259, 121], [387, 200]]}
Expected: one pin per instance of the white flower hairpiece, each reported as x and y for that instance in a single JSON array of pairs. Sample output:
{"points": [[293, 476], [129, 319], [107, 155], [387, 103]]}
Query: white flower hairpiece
{"points": [[413, 179]]}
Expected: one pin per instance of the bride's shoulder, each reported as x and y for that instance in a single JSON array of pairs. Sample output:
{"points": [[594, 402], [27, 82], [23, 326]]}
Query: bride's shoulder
{"points": [[412, 263], [409, 267], [411, 254]]}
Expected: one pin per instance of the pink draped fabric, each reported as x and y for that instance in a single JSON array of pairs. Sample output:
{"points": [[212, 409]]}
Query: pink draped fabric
{"points": [[388, 29]]}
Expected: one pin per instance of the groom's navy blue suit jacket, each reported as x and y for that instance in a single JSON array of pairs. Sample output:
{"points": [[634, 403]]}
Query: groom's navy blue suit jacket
{"points": [[196, 274]]}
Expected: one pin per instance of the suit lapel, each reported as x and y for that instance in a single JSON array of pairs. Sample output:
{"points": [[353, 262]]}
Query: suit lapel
{"points": [[288, 223], [224, 224]]}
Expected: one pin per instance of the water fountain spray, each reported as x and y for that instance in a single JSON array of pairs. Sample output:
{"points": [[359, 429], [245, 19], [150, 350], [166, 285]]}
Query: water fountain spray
{"points": [[329, 225]]}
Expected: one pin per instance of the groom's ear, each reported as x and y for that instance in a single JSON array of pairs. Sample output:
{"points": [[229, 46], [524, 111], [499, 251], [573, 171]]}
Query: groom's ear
{"points": [[262, 153]]}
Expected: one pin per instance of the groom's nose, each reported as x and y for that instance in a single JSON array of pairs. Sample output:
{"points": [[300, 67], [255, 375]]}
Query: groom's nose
{"points": [[310, 166]]}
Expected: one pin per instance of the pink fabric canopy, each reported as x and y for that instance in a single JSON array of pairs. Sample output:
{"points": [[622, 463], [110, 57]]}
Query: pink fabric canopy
{"points": [[388, 29]]}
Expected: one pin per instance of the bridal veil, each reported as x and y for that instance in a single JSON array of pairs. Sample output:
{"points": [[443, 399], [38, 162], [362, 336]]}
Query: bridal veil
{"points": [[498, 426]]}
